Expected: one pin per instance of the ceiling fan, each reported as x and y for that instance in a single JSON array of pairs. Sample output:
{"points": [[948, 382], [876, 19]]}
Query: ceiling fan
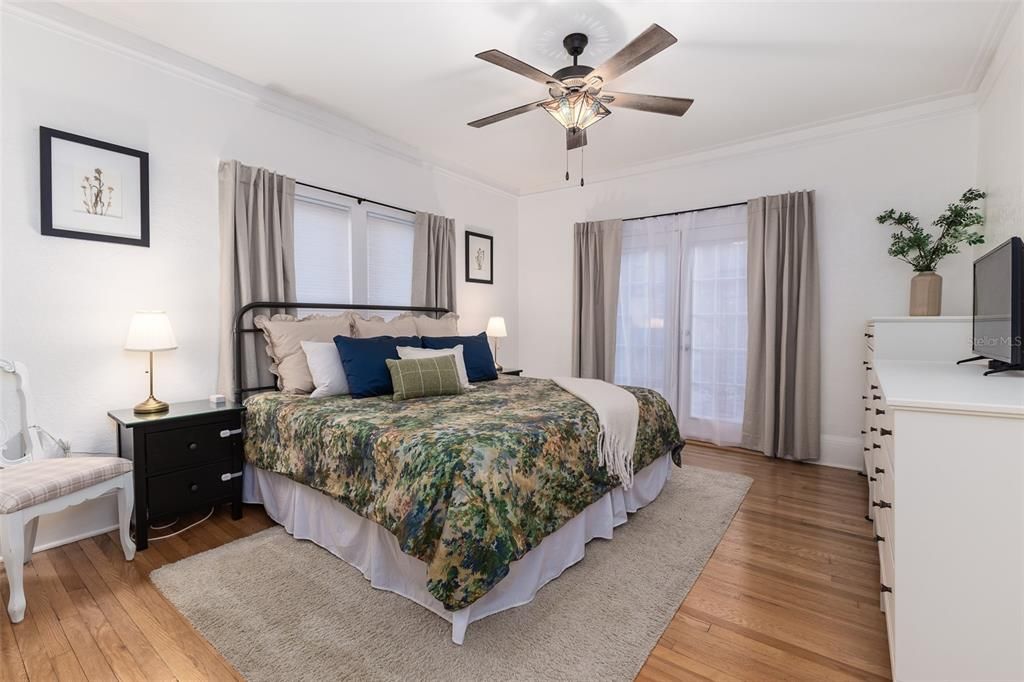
{"points": [[577, 96]]}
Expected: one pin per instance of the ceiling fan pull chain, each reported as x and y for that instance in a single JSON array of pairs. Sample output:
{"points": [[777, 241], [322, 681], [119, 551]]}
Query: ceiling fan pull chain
{"points": [[581, 166], [567, 163]]}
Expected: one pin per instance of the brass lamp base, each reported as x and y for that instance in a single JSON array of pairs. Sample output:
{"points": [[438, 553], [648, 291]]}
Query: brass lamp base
{"points": [[151, 406]]}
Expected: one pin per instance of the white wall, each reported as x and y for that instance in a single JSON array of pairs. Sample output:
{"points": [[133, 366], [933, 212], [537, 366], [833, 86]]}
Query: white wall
{"points": [[918, 165], [1001, 139], [68, 302]]}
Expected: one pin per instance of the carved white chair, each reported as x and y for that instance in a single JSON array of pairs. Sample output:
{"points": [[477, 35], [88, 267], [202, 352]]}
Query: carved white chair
{"points": [[45, 479]]}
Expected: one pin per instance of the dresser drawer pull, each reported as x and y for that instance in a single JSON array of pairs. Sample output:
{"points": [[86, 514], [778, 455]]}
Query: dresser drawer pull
{"points": [[872, 479], [227, 433], [228, 477], [879, 470], [863, 397], [873, 429], [885, 588], [882, 504], [865, 362], [877, 411], [879, 538], [874, 388], [194, 488], [864, 433], [193, 446], [869, 336], [886, 432], [875, 396], [876, 446], [868, 368]]}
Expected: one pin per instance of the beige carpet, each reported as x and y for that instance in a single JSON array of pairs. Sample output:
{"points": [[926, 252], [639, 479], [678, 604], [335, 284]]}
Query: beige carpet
{"points": [[282, 609]]}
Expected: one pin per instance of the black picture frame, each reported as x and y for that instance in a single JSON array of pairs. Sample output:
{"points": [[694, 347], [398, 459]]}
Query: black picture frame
{"points": [[46, 137], [490, 255]]}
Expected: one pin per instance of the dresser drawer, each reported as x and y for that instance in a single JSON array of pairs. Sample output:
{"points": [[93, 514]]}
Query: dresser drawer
{"points": [[192, 446], [192, 488]]}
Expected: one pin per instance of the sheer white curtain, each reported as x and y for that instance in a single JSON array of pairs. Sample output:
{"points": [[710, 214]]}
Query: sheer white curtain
{"points": [[681, 326], [648, 334]]}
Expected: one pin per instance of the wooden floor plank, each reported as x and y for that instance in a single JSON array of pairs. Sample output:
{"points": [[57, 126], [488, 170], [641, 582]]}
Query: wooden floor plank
{"points": [[790, 593]]}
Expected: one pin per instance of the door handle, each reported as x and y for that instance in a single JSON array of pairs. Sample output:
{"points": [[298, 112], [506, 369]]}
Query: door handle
{"points": [[227, 433]]}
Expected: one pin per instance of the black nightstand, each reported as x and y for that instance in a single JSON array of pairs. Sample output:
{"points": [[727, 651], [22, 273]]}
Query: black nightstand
{"points": [[186, 459], [511, 372]]}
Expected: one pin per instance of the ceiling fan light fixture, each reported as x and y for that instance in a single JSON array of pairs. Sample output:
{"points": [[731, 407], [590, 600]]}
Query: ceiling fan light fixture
{"points": [[576, 110]]}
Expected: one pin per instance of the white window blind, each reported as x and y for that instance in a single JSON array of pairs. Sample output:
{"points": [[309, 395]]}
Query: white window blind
{"points": [[347, 252], [389, 243], [323, 253]]}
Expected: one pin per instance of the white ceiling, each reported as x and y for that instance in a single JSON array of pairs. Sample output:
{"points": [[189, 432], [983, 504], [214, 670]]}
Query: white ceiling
{"points": [[407, 70]]}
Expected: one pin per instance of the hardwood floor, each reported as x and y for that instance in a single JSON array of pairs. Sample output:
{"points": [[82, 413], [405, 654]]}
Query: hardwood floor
{"points": [[790, 593]]}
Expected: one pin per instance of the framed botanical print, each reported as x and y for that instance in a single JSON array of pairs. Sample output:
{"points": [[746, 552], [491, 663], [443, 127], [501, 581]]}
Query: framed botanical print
{"points": [[92, 190], [479, 258]]}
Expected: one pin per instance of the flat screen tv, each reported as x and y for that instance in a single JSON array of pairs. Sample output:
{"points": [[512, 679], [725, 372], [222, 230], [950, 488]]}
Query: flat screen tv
{"points": [[999, 306]]}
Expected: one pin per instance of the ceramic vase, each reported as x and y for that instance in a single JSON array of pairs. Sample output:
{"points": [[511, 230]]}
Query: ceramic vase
{"points": [[926, 294]]}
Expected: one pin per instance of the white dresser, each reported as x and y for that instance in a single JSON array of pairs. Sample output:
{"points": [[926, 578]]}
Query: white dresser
{"points": [[944, 453]]}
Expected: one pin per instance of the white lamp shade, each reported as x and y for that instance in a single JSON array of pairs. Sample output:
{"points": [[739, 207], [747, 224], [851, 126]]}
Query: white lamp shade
{"points": [[150, 330], [496, 327]]}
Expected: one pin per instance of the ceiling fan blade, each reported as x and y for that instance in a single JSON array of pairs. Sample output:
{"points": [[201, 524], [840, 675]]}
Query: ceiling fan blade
{"points": [[575, 140], [499, 58], [494, 118], [643, 47], [656, 104]]}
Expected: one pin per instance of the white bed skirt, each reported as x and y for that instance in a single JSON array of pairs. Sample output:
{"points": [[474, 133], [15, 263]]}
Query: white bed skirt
{"points": [[310, 515]]}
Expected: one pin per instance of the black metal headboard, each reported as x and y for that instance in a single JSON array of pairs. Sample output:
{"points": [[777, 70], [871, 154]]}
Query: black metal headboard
{"points": [[239, 329]]}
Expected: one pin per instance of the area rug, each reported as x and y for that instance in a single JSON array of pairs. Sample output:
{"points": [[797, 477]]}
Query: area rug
{"points": [[278, 608]]}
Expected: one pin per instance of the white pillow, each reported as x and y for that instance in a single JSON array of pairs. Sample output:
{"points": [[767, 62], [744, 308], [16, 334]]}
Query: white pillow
{"points": [[325, 368], [410, 353]]}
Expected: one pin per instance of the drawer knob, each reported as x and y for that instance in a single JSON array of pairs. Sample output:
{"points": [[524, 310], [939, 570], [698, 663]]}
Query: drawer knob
{"points": [[193, 446], [874, 388], [875, 396], [876, 446], [885, 588], [194, 488], [879, 470], [882, 504], [872, 479], [886, 432], [879, 538], [873, 429], [877, 411]]}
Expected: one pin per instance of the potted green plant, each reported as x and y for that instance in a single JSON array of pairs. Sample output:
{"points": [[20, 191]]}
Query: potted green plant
{"points": [[912, 244]]}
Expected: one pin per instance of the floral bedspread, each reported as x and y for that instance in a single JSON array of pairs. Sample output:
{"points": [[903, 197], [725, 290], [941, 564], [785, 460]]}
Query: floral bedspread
{"points": [[467, 483]]}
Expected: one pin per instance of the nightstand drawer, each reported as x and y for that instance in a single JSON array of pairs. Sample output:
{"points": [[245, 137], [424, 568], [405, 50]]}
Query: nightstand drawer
{"points": [[192, 446], [191, 488]]}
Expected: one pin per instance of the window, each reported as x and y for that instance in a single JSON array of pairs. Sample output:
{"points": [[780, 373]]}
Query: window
{"points": [[347, 252]]}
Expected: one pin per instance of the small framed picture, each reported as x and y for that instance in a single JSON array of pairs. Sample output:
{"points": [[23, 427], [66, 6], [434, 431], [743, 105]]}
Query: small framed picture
{"points": [[92, 190], [479, 258]]}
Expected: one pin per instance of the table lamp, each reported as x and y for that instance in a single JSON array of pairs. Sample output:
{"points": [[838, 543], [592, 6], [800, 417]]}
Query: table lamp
{"points": [[150, 330], [496, 330]]}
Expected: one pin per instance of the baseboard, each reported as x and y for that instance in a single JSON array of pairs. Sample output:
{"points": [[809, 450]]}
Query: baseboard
{"points": [[89, 519], [841, 452]]}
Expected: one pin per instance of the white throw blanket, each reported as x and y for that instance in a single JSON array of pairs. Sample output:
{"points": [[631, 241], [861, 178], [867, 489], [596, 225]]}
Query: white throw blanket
{"points": [[618, 414]]}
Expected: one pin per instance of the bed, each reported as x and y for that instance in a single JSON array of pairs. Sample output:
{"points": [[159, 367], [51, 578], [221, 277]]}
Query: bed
{"points": [[466, 504]]}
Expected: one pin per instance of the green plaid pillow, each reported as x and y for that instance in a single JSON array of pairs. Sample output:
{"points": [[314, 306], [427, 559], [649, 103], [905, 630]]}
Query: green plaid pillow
{"points": [[422, 377]]}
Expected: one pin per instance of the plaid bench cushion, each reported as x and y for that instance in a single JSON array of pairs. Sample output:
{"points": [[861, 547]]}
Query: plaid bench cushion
{"points": [[26, 485]]}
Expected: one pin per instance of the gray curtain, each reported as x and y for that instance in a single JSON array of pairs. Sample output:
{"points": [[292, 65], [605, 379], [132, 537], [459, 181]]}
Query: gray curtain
{"points": [[597, 256], [782, 407], [433, 261], [257, 260]]}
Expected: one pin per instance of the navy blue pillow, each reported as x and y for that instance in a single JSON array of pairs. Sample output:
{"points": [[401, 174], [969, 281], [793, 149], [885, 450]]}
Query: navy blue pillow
{"points": [[363, 362], [475, 351]]}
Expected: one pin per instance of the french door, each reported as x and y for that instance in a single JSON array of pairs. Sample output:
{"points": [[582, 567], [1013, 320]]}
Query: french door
{"points": [[681, 327]]}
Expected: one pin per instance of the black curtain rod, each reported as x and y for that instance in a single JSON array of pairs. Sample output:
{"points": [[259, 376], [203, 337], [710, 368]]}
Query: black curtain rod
{"points": [[689, 210], [353, 196]]}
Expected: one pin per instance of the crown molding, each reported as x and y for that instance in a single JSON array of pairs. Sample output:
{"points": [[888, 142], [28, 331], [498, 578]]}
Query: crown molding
{"points": [[83, 28], [1012, 19], [788, 139]]}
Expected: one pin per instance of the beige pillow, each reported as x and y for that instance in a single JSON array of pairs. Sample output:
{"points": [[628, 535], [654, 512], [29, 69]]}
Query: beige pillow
{"points": [[377, 326], [285, 334], [446, 325]]}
